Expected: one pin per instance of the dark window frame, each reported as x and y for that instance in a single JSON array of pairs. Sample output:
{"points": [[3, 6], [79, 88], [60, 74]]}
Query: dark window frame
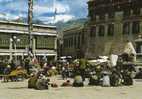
{"points": [[136, 27], [101, 31], [110, 31], [126, 28]]}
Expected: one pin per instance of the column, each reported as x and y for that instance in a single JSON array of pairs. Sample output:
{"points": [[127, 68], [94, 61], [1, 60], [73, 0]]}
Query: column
{"points": [[97, 30], [140, 26], [34, 46], [10, 49], [55, 43], [55, 47], [118, 27], [130, 30], [106, 30]]}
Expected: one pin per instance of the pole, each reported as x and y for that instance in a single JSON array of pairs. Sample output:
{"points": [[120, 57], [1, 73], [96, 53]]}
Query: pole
{"points": [[30, 29], [10, 48], [30, 25], [15, 54]]}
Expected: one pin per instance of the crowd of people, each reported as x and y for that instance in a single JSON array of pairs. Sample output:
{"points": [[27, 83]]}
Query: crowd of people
{"points": [[102, 74]]}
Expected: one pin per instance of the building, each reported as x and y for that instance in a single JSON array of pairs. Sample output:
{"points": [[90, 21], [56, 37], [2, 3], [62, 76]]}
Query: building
{"points": [[111, 24], [73, 42], [14, 40]]}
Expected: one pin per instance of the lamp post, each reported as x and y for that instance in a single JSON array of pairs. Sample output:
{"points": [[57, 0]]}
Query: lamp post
{"points": [[13, 43]]}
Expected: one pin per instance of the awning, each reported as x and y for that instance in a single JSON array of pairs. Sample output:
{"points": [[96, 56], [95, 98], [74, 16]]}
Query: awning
{"points": [[41, 54], [23, 54]]}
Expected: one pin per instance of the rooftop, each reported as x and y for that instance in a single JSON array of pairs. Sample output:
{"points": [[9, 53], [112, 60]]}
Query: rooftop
{"points": [[25, 24]]}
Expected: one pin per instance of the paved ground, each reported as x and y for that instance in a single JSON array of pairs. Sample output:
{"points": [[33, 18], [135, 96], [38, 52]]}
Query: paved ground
{"points": [[19, 90]]}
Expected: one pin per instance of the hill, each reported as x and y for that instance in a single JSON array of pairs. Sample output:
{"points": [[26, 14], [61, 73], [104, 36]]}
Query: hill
{"points": [[70, 24]]}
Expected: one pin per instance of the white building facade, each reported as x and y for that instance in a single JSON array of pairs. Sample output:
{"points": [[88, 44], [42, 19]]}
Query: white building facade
{"points": [[14, 41]]}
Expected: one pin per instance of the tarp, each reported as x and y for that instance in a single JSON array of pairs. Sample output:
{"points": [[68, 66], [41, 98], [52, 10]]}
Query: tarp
{"points": [[129, 48], [98, 61], [113, 60]]}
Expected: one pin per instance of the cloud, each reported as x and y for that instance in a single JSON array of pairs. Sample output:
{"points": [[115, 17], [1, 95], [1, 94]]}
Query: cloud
{"points": [[63, 18], [38, 9], [44, 10], [57, 18], [48, 14], [78, 7], [61, 8]]}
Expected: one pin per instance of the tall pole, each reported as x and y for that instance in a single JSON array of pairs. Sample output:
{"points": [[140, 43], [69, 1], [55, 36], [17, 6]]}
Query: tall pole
{"points": [[10, 48], [30, 25]]}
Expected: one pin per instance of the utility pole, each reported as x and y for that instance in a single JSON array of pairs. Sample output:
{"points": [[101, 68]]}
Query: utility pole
{"points": [[30, 29], [30, 26]]}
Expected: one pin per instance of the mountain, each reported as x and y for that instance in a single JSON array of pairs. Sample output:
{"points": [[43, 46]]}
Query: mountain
{"points": [[70, 24], [61, 26], [24, 20]]}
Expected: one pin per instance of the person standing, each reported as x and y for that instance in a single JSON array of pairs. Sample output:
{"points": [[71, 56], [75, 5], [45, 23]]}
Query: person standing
{"points": [[106, 79]]}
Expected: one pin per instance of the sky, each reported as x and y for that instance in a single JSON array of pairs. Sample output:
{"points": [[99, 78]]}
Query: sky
{"points": [[44, 10]]}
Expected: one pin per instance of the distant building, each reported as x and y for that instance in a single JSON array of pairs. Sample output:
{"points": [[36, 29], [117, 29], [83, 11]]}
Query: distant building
{"points": [[73, 42], [111, 24], [44, 40]]}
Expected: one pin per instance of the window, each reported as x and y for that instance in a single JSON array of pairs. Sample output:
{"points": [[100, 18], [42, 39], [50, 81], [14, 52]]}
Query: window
{"points": [[78, 45], [44, 42], [23, 41], [94, 17], [102, 17], [126, 28], [101, 30], [127, 13], [110, 30], [71, 41], [136, 27], [4, 40], [111, 15], [136, 11], [93, 31]]}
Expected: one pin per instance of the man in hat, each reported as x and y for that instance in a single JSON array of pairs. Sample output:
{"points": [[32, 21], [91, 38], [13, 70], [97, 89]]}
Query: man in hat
{"points": [[78, 81]]}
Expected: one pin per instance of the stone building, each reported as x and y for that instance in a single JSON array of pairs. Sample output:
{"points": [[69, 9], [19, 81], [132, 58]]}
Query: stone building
{"points": [[111, 24], [73, 42], [14, 40]]}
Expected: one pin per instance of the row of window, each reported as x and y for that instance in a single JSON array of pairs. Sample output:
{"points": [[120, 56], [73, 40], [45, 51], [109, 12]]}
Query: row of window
{"points": [[72, 41], [126, 13], [108, 1], [45, 42], [41, 41], [128, 27], [4, 40]]}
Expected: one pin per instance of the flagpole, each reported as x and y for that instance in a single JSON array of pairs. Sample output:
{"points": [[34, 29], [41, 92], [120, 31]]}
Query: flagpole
{"points": [[55, 10]]}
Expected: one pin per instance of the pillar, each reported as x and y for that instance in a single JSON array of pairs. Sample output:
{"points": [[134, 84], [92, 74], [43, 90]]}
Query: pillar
{"points": [[106, 29], [34, 46], [10, 50], [55, 47], [118, 26]]}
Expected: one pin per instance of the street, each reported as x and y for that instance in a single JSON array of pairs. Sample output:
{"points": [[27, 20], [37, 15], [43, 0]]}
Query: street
{"points": [[19, 90]]}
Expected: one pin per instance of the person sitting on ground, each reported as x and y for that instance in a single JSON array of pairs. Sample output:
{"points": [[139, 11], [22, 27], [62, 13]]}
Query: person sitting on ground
{"points": [[139, 74], [115, 78], [94, 79], [127, 79], [106, 79], [78, 81], [32, 81], [66, 84], [42, 82], [7, 71]]}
